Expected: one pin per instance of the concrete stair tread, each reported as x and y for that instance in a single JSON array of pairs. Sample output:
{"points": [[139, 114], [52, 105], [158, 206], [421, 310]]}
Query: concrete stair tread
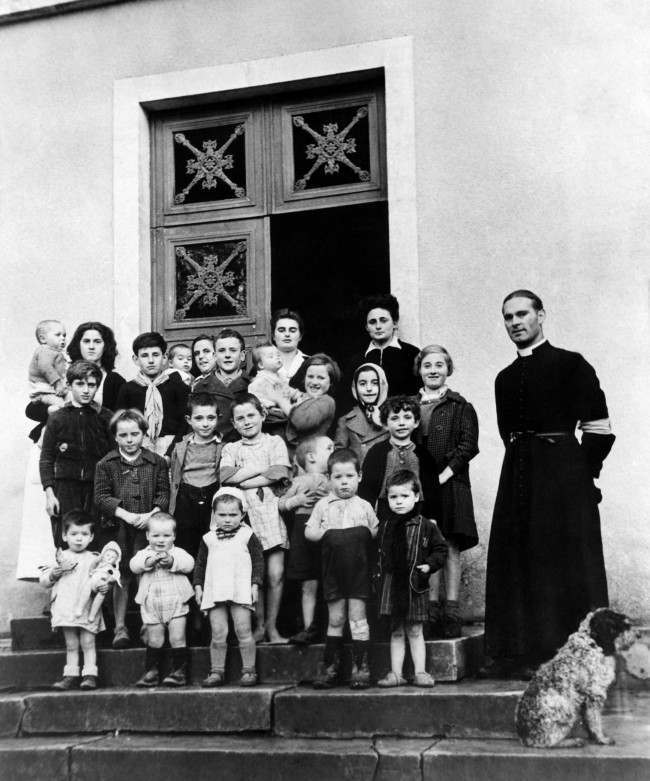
{"points": [[448, 660], [112, 758]]}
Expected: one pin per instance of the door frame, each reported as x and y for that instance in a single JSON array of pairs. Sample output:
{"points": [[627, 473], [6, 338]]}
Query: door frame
{"points": [[132, 97]]}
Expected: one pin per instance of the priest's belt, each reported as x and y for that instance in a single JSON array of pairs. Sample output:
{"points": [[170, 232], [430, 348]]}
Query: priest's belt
{"points": [[516, 436]]}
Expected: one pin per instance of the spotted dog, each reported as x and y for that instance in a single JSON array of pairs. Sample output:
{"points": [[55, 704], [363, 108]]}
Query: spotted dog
{"points": [[572, 686]]}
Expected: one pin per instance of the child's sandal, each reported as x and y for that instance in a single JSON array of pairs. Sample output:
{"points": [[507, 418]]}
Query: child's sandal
{"points": [[424, 680], [248, 678], [215, 678], [391, 680]]}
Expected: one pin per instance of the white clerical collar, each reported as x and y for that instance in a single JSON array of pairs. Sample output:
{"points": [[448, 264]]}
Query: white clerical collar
{"points": [[526, 352], [394, 342]]}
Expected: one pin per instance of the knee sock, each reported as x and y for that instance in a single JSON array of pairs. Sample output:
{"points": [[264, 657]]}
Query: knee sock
{"points": [[152, 658], [247, 651], [217, 657], [71, 670], [180, 657], [333, 648], [360, 652]]}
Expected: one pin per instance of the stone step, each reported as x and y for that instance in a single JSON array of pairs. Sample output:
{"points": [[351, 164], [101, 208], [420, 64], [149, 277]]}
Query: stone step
{"points": [[472, 709], [223, 710], [269, 758], [465, 709], [448, 660]]}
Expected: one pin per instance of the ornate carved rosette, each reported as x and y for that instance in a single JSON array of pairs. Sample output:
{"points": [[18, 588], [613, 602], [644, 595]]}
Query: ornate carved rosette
{"points": [[331, 148], [212, 280], [209, 166]]}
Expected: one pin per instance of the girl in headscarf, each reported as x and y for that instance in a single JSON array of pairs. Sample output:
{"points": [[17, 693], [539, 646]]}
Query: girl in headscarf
{"points": [[361, 428]]}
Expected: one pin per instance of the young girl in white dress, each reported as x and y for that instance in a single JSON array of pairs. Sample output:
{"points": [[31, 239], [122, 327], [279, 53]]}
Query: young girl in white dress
{"points": [[68, 578], [256, 463], [229, 570]]}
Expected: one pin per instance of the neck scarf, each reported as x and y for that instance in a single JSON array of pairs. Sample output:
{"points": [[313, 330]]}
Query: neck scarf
{"points": [[394, 545], [153, 404]]}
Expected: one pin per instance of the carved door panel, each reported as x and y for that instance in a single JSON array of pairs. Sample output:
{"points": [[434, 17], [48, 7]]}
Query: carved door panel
{"points": [[211, 276], [328, 152]]}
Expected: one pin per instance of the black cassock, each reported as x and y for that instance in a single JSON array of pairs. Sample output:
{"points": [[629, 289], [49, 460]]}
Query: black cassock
{"points": [[545, 566]]}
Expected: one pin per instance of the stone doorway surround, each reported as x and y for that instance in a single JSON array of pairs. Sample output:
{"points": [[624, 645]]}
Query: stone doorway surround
{"points": [[131, 163]]}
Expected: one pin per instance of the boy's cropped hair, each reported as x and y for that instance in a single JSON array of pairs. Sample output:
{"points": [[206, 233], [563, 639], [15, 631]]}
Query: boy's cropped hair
{"points": [[202, 399], [81, 370], [343, 456], [385, 301], [230, 333], [42, 327], [395, 404], [322, 359], [162, 516], [256, 352], [149, 339], [247, 398], [128, 416], [227, 499], [404, 477], [175, 348], [307, 445], [77, 517]]}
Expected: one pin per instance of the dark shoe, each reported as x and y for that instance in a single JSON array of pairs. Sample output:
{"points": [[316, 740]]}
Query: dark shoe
{"points": [[360, 678], [150, 679], [176, 678], [214, 679], [327, 676], [88, 682], [305, 637], [66, 683], [248, 678]]}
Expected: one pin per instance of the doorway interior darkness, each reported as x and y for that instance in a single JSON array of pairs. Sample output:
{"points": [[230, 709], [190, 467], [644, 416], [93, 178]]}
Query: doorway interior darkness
{"points": [[266, 201], [322, 263]]}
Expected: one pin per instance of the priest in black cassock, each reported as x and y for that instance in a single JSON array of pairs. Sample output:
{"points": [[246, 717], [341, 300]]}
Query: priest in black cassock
{"points": [[545, 567]]}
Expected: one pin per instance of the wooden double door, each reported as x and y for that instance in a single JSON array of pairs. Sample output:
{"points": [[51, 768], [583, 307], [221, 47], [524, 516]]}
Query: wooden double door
{"points": [[270, 202]]}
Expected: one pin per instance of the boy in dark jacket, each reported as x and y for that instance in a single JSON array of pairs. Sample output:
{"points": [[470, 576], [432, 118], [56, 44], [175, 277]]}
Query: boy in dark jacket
{"points": [[77, 436]]}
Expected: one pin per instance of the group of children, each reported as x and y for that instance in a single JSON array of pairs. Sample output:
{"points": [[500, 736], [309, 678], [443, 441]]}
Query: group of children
{"points": [[202, 486]]}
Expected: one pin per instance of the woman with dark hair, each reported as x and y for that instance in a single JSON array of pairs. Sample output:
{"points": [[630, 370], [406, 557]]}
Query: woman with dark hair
{"points": [[380, 317], [95, 342], [287, 330]]}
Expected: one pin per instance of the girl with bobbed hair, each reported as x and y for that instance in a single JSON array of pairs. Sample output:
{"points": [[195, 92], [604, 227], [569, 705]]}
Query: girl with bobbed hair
{"points": [[95, 342], [449, 431], [314, 416]]}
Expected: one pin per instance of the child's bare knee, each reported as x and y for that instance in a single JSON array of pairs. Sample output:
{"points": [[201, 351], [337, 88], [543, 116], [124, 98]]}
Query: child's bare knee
{"points": [[414, 630], [398, 633]]}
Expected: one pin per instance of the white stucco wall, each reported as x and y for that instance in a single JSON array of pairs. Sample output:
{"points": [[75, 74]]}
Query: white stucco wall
{"points": [[532, 153]]}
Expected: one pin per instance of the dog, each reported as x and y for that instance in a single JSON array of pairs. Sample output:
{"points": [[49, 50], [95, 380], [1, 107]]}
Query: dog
{"points": [[573, 685]]}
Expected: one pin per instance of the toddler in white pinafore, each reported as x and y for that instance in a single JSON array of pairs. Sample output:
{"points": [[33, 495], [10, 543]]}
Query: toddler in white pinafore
{"points": [[229, 570], [257, 464]]}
